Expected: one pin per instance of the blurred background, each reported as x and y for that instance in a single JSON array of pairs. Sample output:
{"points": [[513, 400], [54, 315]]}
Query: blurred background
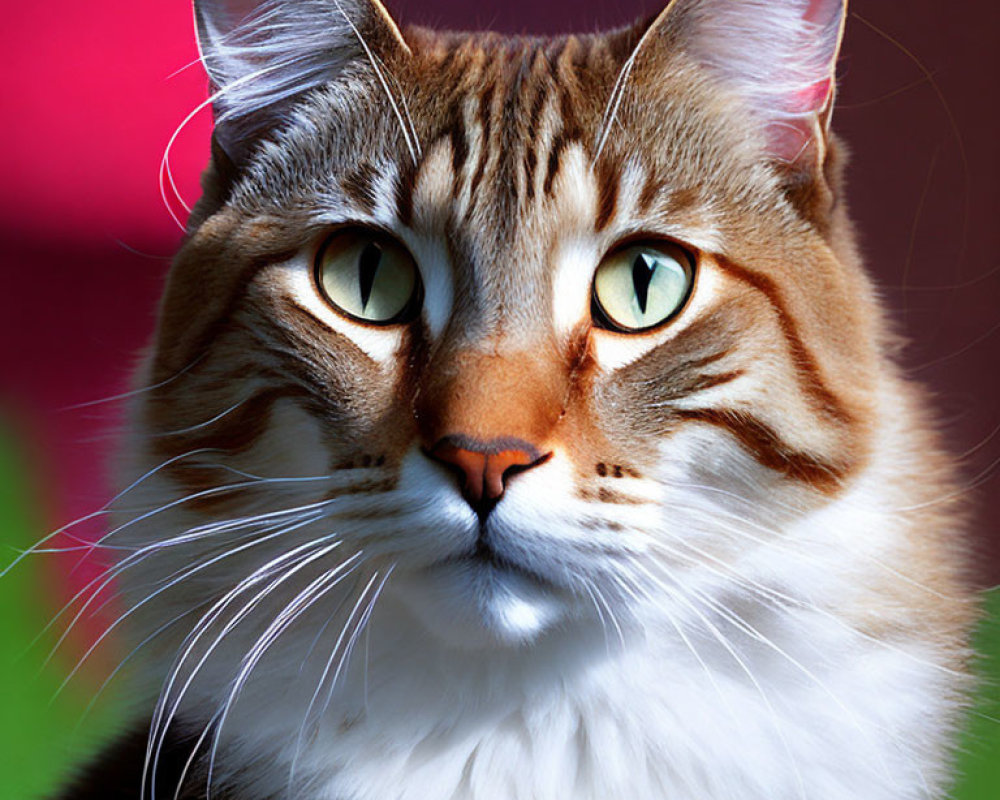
{"points": [[97, 91]]}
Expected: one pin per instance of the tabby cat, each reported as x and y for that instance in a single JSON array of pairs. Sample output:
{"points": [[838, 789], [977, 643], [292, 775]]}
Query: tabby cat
{"points": [[521, 424]]}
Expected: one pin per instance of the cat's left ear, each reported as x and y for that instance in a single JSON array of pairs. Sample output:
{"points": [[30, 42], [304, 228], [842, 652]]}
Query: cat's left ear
{"points": [[262, 55], [780, 56]]}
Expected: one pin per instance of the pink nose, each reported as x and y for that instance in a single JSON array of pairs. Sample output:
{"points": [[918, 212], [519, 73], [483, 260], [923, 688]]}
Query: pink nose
{"points": [[485, 467]]}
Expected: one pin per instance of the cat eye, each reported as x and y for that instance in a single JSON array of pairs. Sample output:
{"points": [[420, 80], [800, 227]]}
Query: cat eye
{"points": [[369, 276], [641, 286]]}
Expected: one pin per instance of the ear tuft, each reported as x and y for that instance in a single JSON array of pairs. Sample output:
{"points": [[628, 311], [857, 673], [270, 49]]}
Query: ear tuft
{"points": [[261, 55], [780, 55]]}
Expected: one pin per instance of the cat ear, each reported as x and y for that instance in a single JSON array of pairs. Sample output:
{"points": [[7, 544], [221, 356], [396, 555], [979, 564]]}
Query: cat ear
{"points": [[779, 55], [263, 54]]}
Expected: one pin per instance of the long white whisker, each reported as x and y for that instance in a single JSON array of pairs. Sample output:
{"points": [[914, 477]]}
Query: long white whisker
{"points": [[169, 585], [337, 647], [136, 392], [301, 603], [105, 579], [194, 754], [618, 91], [406, 108], [121, 664], [166, 174], [780, 600], [207, 423], [161, 717], [410, 145], [745, 627], [37, 548], [588, 588], [611, 614]]}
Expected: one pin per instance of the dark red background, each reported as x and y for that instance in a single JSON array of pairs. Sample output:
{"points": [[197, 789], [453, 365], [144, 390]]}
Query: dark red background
{"points": [[90, 101]]}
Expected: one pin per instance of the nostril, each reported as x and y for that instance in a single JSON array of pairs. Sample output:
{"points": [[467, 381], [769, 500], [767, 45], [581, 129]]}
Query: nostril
{"points": [[484, 467]]}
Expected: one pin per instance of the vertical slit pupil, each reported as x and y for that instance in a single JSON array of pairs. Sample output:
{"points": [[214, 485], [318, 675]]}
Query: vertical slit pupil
{"points": [[368, 264], [642, 275]]}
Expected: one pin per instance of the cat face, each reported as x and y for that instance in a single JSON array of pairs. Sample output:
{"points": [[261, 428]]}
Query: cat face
{"points": [[544, 329]]}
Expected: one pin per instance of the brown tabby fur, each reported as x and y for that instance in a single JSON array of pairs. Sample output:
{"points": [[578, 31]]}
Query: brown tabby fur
{"points": [[783, 352]]}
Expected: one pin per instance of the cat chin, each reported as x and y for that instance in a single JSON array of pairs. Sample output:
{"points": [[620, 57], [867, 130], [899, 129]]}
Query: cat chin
{"points": [[470, 605]]}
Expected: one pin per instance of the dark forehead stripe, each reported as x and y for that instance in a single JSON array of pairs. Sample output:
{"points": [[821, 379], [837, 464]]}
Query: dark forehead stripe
{"points": [[486, 120], [559, 144], [459, 145], [571, 131], [406, 184], [608, 185], [515, 80], [359, 185], [542, 92]]}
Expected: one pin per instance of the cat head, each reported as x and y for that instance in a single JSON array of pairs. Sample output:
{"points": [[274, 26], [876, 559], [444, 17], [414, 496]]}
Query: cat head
{"points": [[540, 326]]}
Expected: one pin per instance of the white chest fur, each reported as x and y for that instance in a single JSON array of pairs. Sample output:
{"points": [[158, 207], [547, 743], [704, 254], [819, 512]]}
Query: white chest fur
{"points": [[813, 712]]}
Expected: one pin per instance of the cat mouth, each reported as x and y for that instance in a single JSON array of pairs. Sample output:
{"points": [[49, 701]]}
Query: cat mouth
{"points": [[484, 557]]}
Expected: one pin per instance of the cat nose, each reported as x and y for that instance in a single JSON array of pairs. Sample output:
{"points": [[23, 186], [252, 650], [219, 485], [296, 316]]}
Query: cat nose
{"points": [[484, 468]]}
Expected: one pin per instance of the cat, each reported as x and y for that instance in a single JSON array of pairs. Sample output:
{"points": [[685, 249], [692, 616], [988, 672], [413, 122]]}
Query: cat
{"points": [[521, 424]]}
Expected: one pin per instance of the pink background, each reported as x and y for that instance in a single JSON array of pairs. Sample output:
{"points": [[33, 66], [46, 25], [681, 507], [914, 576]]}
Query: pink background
{"points": [[94, 91]]}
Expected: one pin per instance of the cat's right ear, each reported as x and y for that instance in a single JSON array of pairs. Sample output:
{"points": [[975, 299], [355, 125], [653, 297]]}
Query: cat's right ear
{"points": [[262, 55]]}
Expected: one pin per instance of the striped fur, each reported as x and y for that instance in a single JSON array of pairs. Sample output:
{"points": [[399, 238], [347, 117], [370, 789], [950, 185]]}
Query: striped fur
{"points": [[736, 576]]}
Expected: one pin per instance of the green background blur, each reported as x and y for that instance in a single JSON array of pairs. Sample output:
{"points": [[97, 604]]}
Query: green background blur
{"points": [[41, 738]]}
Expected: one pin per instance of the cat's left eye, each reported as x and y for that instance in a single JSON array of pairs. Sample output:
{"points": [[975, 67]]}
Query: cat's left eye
{"points": [[641, 286], [369, 277]]}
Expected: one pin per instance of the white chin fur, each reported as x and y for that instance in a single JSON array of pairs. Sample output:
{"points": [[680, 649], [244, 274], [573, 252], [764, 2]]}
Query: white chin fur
{"points": [[473, 606]]}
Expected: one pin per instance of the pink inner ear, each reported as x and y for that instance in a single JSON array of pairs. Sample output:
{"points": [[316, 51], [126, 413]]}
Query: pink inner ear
{"points": [[822, 10], [812, 98], [789, 139]]}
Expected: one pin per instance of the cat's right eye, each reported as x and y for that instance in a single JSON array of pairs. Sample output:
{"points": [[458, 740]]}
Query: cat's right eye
{"points": [[369, 277]]}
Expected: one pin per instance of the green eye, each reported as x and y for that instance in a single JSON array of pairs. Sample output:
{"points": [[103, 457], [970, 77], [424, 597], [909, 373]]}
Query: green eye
{"points": [[641, 286], [369, 277]]}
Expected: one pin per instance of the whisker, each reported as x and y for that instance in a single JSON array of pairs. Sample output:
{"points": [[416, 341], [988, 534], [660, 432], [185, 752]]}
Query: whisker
{"points": [[106, 578], [169, 585], [194, 754], [136, 392], [780, 601], [343, 657], [679, 594], [166, 176], [106, 509], [122, 662], [745, 627], [618, 92], [301, 603], [162, 718], [411, 145], [588, 588], [201, 425]]}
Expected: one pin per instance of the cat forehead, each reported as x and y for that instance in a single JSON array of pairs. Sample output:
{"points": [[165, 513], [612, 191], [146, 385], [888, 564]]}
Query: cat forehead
{"points": [[505, 135]]}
